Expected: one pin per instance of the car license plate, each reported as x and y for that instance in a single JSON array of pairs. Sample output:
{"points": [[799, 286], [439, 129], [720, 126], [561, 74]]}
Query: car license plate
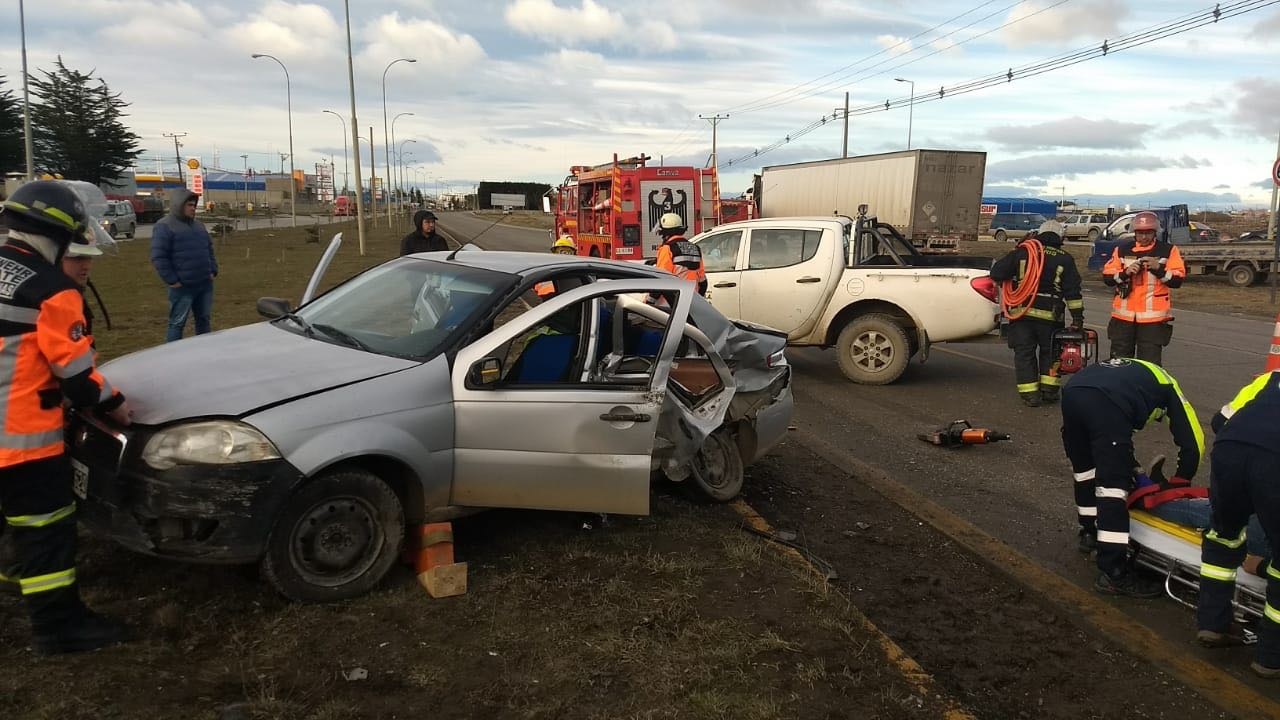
{"points": [[79, 479]]}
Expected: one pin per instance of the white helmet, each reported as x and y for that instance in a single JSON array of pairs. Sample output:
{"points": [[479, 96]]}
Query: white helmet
{"points": [[1053, 226], [671, 221]]}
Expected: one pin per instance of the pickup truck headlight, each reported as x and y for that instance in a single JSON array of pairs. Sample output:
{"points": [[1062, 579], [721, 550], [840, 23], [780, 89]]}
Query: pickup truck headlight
{"points": [[212, 442]]}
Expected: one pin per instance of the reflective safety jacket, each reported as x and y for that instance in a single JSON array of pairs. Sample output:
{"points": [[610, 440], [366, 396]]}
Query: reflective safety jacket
{"points": [[45, 355], [1253, 416], [1144, 392], [684, 260], [1144, 297], [1059, 282]]}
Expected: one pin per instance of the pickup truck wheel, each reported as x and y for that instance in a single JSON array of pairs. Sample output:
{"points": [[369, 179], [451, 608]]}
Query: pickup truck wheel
{"points": [[111, 230], [1093, 234], [1241, 275], [717, 470], [133, 230], [873, 349], [1000, 236], [335, 539]]}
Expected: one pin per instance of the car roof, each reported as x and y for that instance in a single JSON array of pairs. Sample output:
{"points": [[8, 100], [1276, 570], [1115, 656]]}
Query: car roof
{"points": [[528, 263]]}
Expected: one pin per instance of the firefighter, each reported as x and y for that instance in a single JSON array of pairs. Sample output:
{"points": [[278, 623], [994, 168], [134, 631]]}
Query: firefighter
{"points": [[1245, 481], [564, 246], [677, 255], [1142, 272], [1101, 408], [45, 356], [1041, 280]]}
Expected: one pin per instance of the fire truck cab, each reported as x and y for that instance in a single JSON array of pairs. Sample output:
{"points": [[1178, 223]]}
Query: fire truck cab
{"points": [[612, 210]]}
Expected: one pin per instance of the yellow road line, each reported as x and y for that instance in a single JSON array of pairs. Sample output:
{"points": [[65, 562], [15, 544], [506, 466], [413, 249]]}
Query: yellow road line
{"points": [[1213, 683], [921, 681]]}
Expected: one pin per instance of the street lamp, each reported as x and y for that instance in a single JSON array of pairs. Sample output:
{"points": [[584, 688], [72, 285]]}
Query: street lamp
{"points": [[385, 130], [288, 87], [26, 97], [370, 141], [345, 168], [400, 158], [393, 139], [911, 108]]}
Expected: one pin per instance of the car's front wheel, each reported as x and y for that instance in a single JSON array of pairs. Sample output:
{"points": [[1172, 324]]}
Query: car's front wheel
{"points": [[1000, 236], [1093, 234], [335, 539]]}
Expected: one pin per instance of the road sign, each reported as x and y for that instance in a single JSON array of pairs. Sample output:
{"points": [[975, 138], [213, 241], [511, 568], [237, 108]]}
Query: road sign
{"points": [[988, 209], [1275, 173]]}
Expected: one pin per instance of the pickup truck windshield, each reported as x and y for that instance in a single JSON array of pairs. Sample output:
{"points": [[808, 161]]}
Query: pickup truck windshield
{"points": [[407, 308]]}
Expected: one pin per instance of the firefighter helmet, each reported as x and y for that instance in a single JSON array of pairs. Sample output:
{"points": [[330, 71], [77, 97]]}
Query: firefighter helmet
{"points": [[1146, 221], [564, 246], [46, 207], [671, 223]]}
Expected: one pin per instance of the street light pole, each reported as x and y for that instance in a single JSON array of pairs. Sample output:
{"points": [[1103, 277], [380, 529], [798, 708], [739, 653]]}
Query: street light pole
{"points": [[351, 85], [400, 158], [911, 108], [288, 89], [345, 168], [385, 130], [393, 136], [26, 97]]}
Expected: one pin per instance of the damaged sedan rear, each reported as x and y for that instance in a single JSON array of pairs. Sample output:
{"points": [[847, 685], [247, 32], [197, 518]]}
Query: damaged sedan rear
{"points": [[424, 389]]}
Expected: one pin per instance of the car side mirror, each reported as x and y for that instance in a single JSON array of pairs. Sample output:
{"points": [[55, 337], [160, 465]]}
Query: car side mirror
{"points": [[485, 373], [273, 307]]}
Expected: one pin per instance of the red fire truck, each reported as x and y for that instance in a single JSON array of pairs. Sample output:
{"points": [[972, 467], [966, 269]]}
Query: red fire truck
{"points": [[612, 210]]}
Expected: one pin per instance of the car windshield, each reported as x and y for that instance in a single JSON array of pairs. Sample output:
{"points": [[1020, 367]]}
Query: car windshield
{"points": [[407, 308]]}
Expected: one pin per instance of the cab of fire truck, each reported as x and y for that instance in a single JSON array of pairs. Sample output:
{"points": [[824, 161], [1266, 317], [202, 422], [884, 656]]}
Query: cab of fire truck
{"points": [[612, 210]]}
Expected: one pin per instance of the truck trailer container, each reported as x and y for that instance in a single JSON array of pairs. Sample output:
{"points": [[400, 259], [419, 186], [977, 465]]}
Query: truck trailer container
{"points": [[933, 197]]}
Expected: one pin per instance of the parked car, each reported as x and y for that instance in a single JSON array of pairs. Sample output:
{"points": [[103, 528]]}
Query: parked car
{"points": [[1174, 228], [1085, 225], [1201, 233], [1014, 226], [426, 388], [1253, 235], [119, 218], [856, 285]]}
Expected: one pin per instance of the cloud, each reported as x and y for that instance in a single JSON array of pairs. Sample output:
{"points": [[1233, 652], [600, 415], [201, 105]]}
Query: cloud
{"points": [[1264, 184], [1267, 29], [1076, 132], [1038, 22], [1258, 105], [289, 30], [1222, 187], [1071, 166], [545, 20], [894, 44], [441, 53], [1192, 127]]}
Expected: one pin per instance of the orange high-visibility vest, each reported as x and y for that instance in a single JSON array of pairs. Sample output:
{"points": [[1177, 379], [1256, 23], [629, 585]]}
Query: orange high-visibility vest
{"points": [[45, 355], [682, 259], [1147, 299]]}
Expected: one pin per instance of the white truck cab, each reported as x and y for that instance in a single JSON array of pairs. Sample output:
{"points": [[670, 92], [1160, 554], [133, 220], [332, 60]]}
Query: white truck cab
{"points": [[853, 284]]}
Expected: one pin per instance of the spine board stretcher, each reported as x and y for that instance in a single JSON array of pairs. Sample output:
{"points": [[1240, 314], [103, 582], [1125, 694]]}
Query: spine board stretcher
{"points": [[1173, 551]]}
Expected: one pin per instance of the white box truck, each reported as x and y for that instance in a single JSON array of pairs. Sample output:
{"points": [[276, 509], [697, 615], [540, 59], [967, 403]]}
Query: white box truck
{"points": [[932, 197]]}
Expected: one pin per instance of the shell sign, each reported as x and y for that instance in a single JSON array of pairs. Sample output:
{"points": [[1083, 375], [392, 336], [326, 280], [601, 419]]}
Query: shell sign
{"points": [[193, 164]]}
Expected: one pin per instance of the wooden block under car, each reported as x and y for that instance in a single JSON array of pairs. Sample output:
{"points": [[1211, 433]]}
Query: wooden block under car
{"points": [[444, 581]]}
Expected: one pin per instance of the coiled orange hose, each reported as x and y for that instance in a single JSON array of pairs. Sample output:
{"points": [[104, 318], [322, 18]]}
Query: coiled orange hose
{"points": [[1015, 300]]}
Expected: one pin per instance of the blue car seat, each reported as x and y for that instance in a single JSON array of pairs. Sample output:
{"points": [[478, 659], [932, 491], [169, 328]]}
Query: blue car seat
{"points": [[546, 359]]}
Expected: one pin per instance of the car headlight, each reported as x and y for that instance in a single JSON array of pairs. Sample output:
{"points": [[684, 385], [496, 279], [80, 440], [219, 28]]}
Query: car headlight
{"points": [[212, 442]]}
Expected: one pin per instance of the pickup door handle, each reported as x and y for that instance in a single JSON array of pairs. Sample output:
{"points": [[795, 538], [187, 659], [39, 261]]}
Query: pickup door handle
{"points": [[808, 279], [625, 417], [725, 284]]}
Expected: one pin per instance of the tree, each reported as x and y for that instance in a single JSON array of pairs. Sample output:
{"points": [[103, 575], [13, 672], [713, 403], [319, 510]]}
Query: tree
{"points": [[78, 126], [12, 156]]}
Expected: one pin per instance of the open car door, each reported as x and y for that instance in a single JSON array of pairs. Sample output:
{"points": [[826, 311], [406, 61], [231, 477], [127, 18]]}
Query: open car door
{"points": [[558, 409], [314, 283]]}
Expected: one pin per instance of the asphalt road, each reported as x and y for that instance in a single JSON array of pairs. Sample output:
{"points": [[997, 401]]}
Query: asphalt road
{"points": [[1021, 491], [464, 225]]}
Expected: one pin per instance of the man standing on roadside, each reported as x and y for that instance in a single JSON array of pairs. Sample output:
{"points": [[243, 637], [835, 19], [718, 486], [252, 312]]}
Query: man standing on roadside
{"points": [[424, 237], [1142, 272], [182, 253]]}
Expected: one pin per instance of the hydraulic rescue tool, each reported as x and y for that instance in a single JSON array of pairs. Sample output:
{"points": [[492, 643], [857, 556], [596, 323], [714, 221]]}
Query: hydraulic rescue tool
{"points": [[960, 433], [1075, 348]]}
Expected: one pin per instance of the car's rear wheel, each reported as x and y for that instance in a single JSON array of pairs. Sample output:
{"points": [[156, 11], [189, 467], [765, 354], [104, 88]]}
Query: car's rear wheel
{"points": [[1241, 275], [1000, 236], [335, 539], [1093, 234], [873, 349], [717, 469]]}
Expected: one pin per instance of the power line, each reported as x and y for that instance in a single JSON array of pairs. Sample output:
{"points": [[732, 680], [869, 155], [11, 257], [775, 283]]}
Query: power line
{"points": [[1137, 39]]}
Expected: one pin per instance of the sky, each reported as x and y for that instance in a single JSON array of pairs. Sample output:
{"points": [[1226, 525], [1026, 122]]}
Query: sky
{"points": [[523, 89]]}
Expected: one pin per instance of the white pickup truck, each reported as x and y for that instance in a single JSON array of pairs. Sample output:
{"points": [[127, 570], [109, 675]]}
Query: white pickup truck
{"points": [[856, 285]]}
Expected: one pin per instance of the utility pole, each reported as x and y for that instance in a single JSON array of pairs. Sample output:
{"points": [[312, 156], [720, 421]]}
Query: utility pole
{"points": [[355, 129], [714, 120], [844, 149], [26, 97], [1271, 222], [373, 182], [177, 153]]}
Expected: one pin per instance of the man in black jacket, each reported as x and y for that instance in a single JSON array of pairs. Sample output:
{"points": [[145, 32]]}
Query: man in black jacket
{"points": [[424, 237], [1102, 406], [1033, 322]]}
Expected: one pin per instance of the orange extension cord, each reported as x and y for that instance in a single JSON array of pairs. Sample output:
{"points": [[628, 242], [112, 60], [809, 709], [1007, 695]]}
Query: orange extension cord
{"points": [[1015, 300]]}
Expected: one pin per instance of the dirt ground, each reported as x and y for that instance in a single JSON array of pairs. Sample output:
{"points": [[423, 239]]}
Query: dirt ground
{"points": [[679, 614]]}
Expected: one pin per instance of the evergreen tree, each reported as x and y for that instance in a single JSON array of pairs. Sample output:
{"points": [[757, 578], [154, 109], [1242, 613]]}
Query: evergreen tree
{"points": [[78, 126], [12, 156]]}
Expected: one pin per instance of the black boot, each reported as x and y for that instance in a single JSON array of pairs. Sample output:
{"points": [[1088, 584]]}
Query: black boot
{"points": [[1087, 541], [1030, 399], [1049, 394], [87, 631], [1127, 584]]}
